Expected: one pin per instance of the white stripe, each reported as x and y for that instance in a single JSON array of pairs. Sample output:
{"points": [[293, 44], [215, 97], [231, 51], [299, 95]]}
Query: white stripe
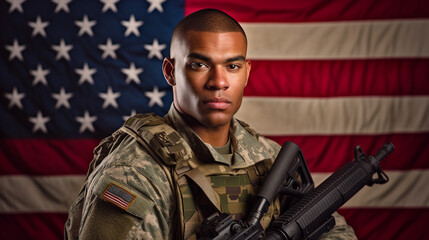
{"points": [[340, 115], [405, 189], [25, 194], [116, 199], [338, 40]]}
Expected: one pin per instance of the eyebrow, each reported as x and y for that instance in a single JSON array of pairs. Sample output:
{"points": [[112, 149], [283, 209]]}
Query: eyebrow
{"points": [[208, 59], [199, 56]]}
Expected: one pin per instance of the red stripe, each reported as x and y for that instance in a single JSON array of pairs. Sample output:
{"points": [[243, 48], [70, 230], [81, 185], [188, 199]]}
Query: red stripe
{"points": [[328, 153], [116, 199], [46, 156], [313, 10], [369, 224], [392, 224], [46, 226], [339, 78], [323, 153]]}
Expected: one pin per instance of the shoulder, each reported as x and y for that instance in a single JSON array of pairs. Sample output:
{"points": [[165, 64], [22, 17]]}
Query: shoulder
{"points": [[251, 146], [272, 146], [131, 155], [132, 172]]}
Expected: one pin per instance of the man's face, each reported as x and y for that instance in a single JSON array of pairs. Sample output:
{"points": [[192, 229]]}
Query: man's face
{"points": [[210, 73]]}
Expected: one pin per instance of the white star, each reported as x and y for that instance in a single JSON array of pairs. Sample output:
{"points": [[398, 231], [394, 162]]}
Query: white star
{"points": [[109, 98], [108, 49], [155, 97], [109, 4], [86, 122], [132, 73], [62, 5], [132, 26], [62, 98], [62, 50], [15, 5], [39, 122], [85, 26], [39, 75], [155, 4], [15, 50], [155, 49], [15, 98], [133, 112], [86, 74], [38, 27]]}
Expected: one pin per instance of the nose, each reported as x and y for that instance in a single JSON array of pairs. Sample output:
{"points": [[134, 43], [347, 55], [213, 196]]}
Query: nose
{"points": [[218, 79]]}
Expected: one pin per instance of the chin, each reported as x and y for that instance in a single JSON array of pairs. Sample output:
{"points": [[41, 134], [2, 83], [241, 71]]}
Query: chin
{"points": [[216, 120]]}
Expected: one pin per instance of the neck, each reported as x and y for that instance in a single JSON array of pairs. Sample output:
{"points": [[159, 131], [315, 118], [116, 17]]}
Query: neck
{"points": [[217, 136]]}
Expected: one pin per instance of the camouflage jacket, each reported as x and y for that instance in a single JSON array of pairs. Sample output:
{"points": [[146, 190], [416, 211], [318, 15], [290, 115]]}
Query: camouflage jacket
{"points": [[128, 195]]}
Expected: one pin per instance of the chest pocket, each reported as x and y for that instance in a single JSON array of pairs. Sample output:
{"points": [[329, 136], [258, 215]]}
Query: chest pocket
{"points": [[230, 191], [234, 193]]}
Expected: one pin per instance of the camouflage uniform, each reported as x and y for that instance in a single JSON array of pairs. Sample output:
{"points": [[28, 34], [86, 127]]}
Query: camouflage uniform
{"points": [[128, 194]]}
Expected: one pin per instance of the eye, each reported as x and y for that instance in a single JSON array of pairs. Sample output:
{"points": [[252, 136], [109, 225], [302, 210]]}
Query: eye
{"points": [[198, 65], [234, 66]]}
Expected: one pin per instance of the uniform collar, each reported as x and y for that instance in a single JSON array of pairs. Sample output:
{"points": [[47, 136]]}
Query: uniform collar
{"points": [[246, 148]]}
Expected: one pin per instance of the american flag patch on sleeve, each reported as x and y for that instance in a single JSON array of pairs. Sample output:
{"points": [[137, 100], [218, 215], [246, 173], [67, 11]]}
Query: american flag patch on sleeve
{"points": [[118, 196]]}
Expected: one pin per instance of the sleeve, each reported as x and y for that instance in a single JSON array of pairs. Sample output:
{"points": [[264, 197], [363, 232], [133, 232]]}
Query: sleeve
{"points": [[105, 221], [341, 230], [129, 199]]}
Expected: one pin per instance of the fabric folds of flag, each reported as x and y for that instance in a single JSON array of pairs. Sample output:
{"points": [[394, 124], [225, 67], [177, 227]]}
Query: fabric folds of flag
{"points": [[329, 75]]}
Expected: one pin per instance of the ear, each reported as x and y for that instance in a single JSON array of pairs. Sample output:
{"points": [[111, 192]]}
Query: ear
{"points": [[248, 67], [168, 71]]}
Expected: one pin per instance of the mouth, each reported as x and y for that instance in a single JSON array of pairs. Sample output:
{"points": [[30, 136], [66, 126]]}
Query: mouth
{"points": [[217, 103]]}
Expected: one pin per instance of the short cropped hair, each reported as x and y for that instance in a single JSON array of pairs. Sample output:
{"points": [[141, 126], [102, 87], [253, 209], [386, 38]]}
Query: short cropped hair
{"points": [[207, 20]]}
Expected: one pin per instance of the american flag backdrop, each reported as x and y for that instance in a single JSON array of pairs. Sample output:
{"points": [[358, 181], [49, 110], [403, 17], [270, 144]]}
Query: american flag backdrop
{"points": [[327, 75]]}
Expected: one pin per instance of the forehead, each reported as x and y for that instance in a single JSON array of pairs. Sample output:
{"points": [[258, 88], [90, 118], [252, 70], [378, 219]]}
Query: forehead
{"points": [[215, 43]]}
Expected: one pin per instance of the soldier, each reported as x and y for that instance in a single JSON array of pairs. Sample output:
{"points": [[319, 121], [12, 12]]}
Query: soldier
{"points": [[159, 178]]}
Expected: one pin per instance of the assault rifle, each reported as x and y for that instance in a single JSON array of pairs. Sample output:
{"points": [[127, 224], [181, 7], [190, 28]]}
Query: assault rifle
{"points": [[311, 215]]}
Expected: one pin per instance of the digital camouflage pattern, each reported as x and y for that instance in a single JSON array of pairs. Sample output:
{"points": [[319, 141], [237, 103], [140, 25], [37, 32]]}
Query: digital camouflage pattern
{"points": [[234, 191], [152, 215], [341, 231]]}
